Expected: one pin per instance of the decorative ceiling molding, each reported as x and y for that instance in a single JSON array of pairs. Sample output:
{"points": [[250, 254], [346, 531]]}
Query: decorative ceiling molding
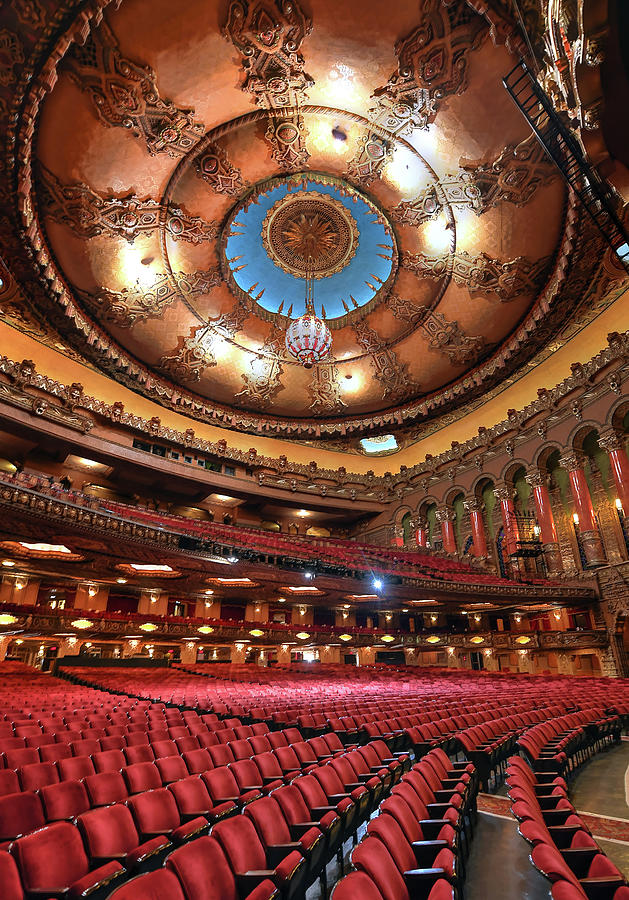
{"points": [[125, 94], [371, 156], [286, 136], [449, 338], [459, 191], [262, 383], [268, 34], [514, 176], [88, 214], [192, 356], [406, 310], [128, 307], [432, 65], [508, 279], [214, 167], [389, 371], [324, 390]]}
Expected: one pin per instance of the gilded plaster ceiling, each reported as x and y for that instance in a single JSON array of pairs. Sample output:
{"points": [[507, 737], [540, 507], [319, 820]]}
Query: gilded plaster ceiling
{"points": [[188, 160]]}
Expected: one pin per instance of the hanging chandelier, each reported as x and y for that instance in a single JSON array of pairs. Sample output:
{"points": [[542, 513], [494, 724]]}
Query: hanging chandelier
{"points": [[308, 338]]}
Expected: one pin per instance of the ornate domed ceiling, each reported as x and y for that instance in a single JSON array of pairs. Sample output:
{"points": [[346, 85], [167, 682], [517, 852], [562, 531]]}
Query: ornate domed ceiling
{"points": [[193, 162]]}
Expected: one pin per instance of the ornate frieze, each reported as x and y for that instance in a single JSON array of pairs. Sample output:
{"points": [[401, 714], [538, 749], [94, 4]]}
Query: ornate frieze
{"points": [[508, 279], [11, 55], [432, 65], [193, 355], [404, 309], [262, 382], [88, 214], [392, 375], [324, 389], [514, 176], [372, 155], [214, 167], [449, 338], [286, 136], [459, 191], [268, 34], [124, 94], [127, 307]]}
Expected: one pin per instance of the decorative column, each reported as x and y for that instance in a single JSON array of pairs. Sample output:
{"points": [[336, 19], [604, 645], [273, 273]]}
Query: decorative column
{"points": [[4, 646], [283, 655], [546, 521], [69, 646], [421, 532], [131, 648], [189, 652], [615, 446], [507, 508], [593, 550], [445, 518], [479, 542]]}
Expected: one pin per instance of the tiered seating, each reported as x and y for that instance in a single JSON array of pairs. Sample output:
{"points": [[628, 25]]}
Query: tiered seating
{"points": [[561, 744], [563, 847]]}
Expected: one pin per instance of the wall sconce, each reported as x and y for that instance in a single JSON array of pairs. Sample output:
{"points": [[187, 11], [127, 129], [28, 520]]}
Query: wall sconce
{"points": [[522, 652], [575, 518], [92, 590], [190, 645], [487, 652], [537, 530], [388, 617], [257, 609], [518, 618], [154, 596], [618, 505], [477, 618], [557, 614], [214, 654], [20, 584], [345, 615], [450, 650], [88, 643], [71, 641], [133, 644], [433, 618]]}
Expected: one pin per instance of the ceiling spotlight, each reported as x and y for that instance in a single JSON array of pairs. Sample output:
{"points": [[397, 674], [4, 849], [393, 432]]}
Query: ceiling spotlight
{"points": [[308, 574], [377, 583]]}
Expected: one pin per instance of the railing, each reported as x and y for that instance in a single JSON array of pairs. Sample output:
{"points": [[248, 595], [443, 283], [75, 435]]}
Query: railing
{"points": [[112, 626], [58, 507], [565, 151]]}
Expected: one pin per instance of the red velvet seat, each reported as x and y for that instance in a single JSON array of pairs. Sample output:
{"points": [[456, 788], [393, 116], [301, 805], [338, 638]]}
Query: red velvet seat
{"points": [[193, 799], [140, 753], [171, 768], [155, 813], [110, 835], [275, 833], [64, 801], [75, 768], [197, 761], [10, 884], [158, 885], [221, 755], [141, 777], [356, 886], [105, 788], [36, 775], [248, 776], [23, 756], [372, 857], [20, 814], [9, 783], [52, 863], [205, 874], [252, 864], [109, 761], [54, 752], [409, 855], [164, 748], [222, 787]]}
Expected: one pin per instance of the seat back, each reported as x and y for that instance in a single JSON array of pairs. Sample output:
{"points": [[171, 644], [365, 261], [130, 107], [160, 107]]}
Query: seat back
{"points": [[241, 844], [51, 859]]}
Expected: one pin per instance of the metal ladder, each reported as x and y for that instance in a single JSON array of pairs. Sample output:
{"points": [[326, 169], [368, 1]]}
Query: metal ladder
{"points": [[565, 151]]}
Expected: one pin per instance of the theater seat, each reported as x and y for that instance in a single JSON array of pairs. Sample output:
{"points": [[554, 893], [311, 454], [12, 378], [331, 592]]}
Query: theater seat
{"points": [[105, 788], [372, 857], [160, 885], [110, 835], [64, 801], [249, 861], [193, 800], [205, 874], [356, 886], [141, 777], [20, 814], [274, 831], [155, 813], [10, 884], [53, 862]]}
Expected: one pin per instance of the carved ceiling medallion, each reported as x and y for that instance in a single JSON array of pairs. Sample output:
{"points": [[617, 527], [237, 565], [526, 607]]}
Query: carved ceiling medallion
{"points": [[310, 231]]}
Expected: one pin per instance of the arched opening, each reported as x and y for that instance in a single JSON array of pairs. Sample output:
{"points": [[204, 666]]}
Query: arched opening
{"points": [[407, 529]]}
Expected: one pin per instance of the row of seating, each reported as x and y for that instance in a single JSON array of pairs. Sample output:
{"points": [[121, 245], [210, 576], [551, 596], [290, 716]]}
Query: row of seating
{"points": [[563, 743], [415, 847], [563, 847]]}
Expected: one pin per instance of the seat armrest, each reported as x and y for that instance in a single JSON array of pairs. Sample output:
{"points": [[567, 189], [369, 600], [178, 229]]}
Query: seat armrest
{"points": [[300, 828], [421, 881], [426, 851], [579, 859], [600, 888], [439, 809]]}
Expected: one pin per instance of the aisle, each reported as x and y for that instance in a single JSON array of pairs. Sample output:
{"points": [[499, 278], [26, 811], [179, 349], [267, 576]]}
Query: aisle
{"points": [[499, 867]]}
